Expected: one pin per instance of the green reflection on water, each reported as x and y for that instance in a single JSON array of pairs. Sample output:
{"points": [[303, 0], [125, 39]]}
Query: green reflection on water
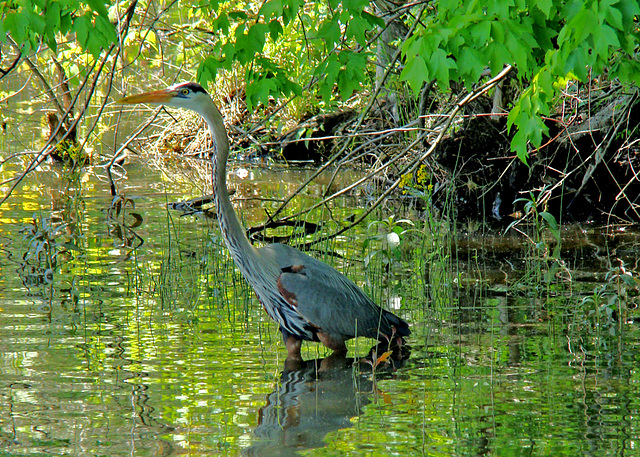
{"points": [[164, 349]]}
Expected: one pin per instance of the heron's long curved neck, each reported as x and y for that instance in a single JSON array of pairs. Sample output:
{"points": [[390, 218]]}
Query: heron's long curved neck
{"points": [[232, 230]]}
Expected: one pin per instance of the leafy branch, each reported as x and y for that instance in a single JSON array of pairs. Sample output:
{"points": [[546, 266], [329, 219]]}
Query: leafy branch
{"points": [[547, 42], [407, 169]]}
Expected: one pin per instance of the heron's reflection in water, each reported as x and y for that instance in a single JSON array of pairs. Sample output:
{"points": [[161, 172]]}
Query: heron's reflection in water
{"points": [[314, 398]]}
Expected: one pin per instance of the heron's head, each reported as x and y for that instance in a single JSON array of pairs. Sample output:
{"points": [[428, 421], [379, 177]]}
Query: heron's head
{"points": [[184, 95]]}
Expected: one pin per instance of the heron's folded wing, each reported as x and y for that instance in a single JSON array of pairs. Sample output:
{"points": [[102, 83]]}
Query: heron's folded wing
{"points": [[329, 301]]}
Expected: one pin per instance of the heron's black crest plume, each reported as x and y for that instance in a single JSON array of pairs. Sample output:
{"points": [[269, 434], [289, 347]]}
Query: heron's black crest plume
{"points": [[193, 87]]}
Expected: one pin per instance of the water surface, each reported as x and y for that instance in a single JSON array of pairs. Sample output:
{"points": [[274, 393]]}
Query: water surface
{"points": [[126, 330]]}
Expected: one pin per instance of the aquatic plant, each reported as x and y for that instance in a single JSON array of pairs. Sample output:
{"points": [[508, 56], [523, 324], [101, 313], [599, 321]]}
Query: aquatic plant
{"points": [[44, 249], [387, 236], [609, 305], [535, 213]]}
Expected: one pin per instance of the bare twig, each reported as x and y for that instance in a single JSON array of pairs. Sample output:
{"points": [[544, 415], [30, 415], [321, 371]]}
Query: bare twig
{"points": [[42, 80], [65, 113], [42, 154], [416, 163], [374, 97], [410, 168], [601, 149], [13, 65], [26, 83]]}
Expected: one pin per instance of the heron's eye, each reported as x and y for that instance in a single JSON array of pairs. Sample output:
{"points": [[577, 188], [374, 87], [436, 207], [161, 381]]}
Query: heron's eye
{"points": [[184, 91]]}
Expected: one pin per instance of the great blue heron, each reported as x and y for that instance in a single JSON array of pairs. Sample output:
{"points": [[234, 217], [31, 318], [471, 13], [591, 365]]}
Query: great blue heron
{"points": [[307, 298]]}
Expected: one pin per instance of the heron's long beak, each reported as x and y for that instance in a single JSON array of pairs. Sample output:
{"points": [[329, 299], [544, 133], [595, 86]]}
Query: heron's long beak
{"points": [[157, 96]]}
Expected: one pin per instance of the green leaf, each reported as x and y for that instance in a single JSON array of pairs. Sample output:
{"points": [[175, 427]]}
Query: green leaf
{"points": [[270, 9], [519, 52], [550, 220], [605, 36], [440, 65], [415, 73], [289, 87], [330, 31], [221, 23], [290, 10], [578, 28], [533, 129], [471, 64], [480, 32], [257, 36], [446, 7], [372, 20], [629, 11], [327, 74], [275, 29], [628, 71], [82, 26], [242, 51], [351, 75], [37, 24], [525, 116], [106, 30], [65, 23], [98, 7], [358, 28], [238, 16], [614, 17], [16, 24], [207, 70], [498, 57], [544, 6], [52, 16], [576, 63], [258, 92], [497, 32], [355, 5], [419, 44], [519, 145]]}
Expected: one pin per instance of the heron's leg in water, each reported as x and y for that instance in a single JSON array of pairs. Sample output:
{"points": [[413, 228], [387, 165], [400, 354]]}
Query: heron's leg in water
{"points": [[333, 342], [293, 345]]}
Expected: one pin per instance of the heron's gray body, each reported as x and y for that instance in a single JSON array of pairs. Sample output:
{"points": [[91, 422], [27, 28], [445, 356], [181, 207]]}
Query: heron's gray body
{"points": [[307, 298]]}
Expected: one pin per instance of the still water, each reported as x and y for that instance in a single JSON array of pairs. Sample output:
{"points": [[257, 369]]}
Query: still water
{"points": [[126, 330]]}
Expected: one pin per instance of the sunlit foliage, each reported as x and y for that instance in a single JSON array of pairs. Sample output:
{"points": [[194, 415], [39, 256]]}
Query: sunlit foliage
{"points": [[282, 48]]}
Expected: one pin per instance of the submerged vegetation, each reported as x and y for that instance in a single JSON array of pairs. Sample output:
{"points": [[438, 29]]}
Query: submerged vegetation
{"points": [[455, 159]]}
